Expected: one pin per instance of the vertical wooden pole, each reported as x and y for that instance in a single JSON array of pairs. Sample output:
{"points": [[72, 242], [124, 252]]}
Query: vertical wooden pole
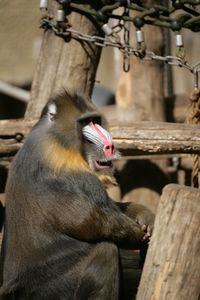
{"points": [[172, 266], [140, 97], [140, 91], [61, 64]]}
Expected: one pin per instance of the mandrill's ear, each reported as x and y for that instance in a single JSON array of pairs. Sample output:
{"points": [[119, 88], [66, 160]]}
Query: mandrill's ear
{"points": [[51, 111]]}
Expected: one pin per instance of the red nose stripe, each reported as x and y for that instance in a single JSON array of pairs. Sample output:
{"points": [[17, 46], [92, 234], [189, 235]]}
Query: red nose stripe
{"points": [[104, 138]]}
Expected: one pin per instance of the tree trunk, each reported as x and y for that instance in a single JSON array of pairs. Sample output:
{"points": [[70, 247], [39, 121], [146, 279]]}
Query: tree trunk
{"points": [[70, 65], [172, 267]]}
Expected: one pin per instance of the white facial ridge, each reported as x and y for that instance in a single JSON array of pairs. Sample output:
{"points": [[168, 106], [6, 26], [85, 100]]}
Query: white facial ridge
{"points": [[92, 134]]}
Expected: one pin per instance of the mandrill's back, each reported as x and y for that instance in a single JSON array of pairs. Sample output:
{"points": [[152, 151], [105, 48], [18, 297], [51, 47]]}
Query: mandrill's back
{"points": [[37, 260]]}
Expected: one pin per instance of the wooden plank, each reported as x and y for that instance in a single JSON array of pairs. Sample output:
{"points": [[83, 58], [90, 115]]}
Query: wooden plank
{"points": [[9, 147], [11, 128], [156, 137], [172, 265], [138, 138], [2, 200]]}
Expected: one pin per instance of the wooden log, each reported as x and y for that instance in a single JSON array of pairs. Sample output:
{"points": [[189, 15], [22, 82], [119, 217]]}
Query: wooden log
{"points": [[62, 64], [2, 200], [155, 137], [139, 138], [172, 266], [13, 128], [9, 147], [14, 91]]}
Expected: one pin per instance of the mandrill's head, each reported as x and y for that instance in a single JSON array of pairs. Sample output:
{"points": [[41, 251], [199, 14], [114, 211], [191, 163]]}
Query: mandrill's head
{"points": [[77, 136]]}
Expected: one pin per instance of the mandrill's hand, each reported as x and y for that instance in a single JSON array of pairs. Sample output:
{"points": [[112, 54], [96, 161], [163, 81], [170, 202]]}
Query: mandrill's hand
{"points": [[145, 218], [141, 215]]}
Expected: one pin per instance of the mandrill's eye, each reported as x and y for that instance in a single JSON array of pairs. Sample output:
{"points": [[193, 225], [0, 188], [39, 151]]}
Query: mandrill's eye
{"points": [[51, 116], [90, 117]]}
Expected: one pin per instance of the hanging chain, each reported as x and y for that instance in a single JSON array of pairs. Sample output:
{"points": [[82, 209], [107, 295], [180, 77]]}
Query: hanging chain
{"points": [[193, 117], [126, 56], [113, 40], [155, 15]]}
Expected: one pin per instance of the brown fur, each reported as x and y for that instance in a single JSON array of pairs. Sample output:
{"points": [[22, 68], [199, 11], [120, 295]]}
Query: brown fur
{"points": [[61, 159]]}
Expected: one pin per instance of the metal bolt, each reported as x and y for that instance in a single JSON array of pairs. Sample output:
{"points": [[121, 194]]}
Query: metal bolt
{"points": [[107, 29], [139, 36], [60, 15], [43, 4], [179, 40]]}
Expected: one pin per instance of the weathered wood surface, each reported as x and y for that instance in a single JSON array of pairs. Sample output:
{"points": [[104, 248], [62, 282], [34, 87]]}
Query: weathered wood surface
{"points": [[156, 137], [2, 199], [12, 132], [172, 266], [131, 139], [64, 64], [11, 128]]}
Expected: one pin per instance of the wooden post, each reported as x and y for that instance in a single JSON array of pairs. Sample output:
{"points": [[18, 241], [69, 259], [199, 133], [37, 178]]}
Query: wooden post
{"points": [[70, 65], [140, 92], [172, 267], [140, 97]]}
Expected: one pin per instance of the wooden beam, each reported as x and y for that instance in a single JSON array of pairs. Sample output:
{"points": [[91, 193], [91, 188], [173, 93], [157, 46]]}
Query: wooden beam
{"points": [[12, 128], [172, 265], [156, 138], [134, 139], [14, 91]]}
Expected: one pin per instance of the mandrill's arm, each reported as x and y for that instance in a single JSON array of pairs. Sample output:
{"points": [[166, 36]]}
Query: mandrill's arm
{"points": [[83, 218], [145, 218]]}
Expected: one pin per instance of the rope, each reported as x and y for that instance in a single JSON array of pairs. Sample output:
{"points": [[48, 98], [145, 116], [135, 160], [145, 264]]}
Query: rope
{"points": [[194, 118]]}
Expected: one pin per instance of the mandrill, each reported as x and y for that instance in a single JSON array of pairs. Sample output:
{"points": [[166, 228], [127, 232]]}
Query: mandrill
{"points": [[62, 232]]}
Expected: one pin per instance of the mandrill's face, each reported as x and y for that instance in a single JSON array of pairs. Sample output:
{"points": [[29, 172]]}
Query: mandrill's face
{"points": [[79, 128]]}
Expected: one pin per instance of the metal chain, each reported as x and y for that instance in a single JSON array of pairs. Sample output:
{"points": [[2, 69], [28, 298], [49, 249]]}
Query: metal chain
{"points": [[126, 56], [113, 40], [60, 26]]}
